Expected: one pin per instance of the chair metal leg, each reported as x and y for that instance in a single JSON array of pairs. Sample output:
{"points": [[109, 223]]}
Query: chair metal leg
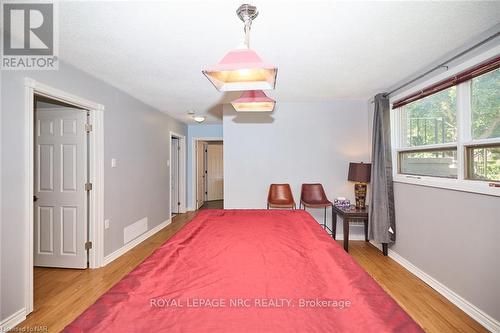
{"points": [[324, 220], [334, 224]]}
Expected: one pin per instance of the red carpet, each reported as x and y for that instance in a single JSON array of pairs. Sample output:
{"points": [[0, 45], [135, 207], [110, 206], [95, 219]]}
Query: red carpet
{"points": [[247, 271]]}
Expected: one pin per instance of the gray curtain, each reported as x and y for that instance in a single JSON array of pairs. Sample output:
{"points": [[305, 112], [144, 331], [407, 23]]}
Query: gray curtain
{"points": [[382, 223]]}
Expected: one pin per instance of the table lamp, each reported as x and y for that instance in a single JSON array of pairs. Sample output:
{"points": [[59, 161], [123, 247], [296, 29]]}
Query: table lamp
{"points": [[360, 173]]}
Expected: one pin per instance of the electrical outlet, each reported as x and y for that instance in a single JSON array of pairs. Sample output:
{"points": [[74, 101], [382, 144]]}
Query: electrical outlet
{"points": [[106, 224]]}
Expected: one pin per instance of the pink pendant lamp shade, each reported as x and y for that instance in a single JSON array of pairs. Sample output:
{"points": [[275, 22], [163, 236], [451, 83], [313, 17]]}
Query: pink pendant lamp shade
{"points": [[242, 69], [254, 101]]}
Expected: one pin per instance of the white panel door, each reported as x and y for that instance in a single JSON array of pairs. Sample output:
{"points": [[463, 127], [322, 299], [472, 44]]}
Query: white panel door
{"points": [[60, 206], [200, 174], [215, 172], [174, 181]]}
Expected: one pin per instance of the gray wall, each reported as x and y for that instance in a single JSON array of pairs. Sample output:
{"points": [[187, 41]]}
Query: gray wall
{"points": [[298, 143], [136, 134], [454, 237], [450, 235]]}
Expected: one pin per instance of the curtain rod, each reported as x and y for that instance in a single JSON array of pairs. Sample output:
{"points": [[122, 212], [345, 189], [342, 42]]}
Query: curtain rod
{"points": [[443, 64]]}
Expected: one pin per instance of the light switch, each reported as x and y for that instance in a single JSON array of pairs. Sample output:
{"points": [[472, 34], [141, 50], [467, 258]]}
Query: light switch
{"points": [[168, 163], [113, 162], [106, 224]]}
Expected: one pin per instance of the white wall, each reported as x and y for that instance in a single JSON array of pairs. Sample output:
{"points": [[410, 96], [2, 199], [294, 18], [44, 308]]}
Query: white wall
{"points": [[204, 131], [135, 134], [298, 143]]}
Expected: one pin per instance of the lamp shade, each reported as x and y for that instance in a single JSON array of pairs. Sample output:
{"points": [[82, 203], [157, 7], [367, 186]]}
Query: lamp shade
{"points": [[359, 172], [242, 69], [253, 101]]}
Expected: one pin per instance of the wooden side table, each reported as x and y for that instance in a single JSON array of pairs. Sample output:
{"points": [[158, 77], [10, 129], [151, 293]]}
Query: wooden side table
{"points": [[349, 214]]}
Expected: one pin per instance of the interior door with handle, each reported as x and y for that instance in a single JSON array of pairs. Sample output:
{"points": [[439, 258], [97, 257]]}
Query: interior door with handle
{"points": [[215, 172], [60, 202]]}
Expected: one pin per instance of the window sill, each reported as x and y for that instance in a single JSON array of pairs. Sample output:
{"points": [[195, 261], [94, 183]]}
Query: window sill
{"points": [[471, 186]]}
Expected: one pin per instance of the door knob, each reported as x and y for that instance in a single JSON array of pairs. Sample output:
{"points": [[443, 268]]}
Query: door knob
{"points": [[35, 198]]}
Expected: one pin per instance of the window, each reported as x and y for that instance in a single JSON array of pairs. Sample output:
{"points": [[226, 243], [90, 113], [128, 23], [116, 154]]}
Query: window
{"points": [[438, 163], [449, 133], [484, 162], [431, 120], [486, 105]]}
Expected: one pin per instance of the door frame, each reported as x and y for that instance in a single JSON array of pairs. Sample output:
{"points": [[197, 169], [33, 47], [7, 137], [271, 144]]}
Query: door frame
{"points": [[96, 164], [194, 140], [182, 172]]}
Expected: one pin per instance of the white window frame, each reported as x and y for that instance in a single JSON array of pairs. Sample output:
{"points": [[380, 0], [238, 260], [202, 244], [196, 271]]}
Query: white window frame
{"points": [[464, 135]]}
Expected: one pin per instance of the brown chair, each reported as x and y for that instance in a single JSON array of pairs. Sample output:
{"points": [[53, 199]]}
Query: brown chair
{"points": [[313, 196], [280, 196]]}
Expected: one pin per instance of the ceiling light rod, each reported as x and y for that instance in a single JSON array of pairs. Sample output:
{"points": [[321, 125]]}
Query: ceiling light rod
{"points": [[247, 13]]}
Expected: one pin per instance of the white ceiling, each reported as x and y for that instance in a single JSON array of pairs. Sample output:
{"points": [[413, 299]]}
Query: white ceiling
{"points": [[155, 51]]}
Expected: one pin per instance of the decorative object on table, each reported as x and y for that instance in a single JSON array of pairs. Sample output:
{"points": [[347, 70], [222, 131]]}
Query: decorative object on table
{"points": [[360, 173], [342, 202]]}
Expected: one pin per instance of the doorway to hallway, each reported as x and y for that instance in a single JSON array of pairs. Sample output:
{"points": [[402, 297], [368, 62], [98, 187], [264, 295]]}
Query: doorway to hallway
{"points": [[174, 175], [209, 173], [177, 174]]}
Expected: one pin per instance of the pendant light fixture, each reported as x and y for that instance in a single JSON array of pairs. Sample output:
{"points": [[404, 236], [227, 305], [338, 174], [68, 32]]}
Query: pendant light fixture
{"points": [[253, 101], [242, 69]]}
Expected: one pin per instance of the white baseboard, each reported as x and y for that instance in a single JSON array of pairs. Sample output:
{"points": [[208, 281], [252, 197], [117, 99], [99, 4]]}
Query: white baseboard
{"points": [[473, 311], [11, 321], [134, 230], [130, 245], [190, 209]]}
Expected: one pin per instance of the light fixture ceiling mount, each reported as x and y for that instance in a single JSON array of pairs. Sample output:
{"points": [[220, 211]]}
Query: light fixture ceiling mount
{"points": [[247, 13], [198, 119]]}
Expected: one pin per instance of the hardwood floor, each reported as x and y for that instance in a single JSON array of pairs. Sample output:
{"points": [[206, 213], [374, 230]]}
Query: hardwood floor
{"points": [[433, 312], [214, 204], [62, 294]]}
